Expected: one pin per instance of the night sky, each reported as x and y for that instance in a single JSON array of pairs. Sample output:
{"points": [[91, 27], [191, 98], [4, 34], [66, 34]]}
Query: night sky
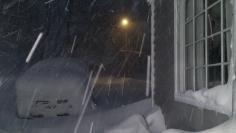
{"points": [[94, 23]]}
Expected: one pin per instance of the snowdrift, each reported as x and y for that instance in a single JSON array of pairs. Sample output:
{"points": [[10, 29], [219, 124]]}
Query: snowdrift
{"points": [[227, 127], [139, 117], [153, 122]]}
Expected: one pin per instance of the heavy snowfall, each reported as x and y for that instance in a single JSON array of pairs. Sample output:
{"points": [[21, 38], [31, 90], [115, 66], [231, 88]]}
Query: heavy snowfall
{"points": [[87, 66]]}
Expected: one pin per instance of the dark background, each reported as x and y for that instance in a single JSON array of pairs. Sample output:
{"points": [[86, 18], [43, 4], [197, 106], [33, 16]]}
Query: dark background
{"points": [[99, 40], [94, 22]]}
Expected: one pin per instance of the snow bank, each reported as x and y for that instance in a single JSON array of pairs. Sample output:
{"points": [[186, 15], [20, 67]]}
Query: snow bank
{"points": [[156, 121], [220, 97], [134, 124], [152, 122], [227, 127], [139, 116]]}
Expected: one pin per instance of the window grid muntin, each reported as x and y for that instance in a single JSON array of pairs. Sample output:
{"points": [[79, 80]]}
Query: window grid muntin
{"points": [[206, 37], [218, 33], [212, 5], [208, 65], [200, 13]]}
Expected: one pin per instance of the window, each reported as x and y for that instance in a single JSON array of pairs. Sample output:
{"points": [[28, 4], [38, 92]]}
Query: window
{"points": [[204, 28], [203, 43]]}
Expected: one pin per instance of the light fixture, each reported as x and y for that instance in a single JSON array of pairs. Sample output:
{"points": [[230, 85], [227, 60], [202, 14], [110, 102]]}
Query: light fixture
{"points": [[124, 22]]}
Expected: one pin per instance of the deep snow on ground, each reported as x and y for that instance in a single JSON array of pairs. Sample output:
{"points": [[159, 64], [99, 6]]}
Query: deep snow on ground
{"points": [[152, 122], [218, 96], [226, 127], [136, 124], [126, 119]]}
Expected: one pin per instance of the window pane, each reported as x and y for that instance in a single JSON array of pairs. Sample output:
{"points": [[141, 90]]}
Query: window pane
{"points": [[226, 74], [214, 50], [189, 56], [199, 6], [214, 76], [200, 78], [227, 43], [189, 79], [228, 13], [200, 27], [214, 19], [188, 9], [200, 53], [210, 2], [189, 33]]}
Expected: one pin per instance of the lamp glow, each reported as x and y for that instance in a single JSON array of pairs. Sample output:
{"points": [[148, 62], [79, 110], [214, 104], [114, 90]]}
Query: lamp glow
{"points": [[124, 22]]}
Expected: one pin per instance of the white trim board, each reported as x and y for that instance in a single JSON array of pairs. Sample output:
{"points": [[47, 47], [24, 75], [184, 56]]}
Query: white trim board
{"points": [[153, 7]]}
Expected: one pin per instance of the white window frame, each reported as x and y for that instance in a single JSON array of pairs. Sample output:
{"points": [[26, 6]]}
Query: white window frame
{"points": [[179, 60]]}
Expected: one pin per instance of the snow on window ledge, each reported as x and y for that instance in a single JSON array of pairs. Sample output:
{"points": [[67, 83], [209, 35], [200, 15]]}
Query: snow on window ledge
{"points": [[218, 98]]}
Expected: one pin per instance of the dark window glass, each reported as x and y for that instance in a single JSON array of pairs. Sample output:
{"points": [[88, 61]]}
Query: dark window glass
{"points": [[214, 19], [214, 76], [214, 50], [210, 2]]}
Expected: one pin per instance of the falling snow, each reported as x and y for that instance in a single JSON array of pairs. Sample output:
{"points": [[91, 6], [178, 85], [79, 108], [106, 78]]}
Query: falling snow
{"points": [[88, 66]]}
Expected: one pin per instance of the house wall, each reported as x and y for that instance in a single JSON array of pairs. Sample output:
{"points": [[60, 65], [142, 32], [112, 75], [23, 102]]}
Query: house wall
{"points": [[177, 115]]}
